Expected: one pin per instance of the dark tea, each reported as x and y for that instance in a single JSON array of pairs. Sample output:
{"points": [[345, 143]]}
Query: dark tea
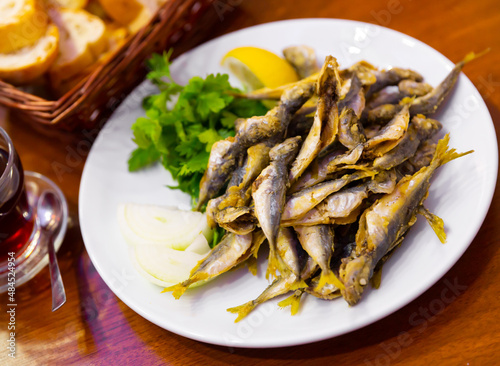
{"points": [[16, 221]]}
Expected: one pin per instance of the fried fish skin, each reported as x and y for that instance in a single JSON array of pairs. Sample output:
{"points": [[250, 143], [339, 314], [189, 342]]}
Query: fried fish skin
{"points": [[212, 210], [424, 154], [289, 250], [325, 125], [420, 129], [227, 254], [299, 203], [303, 59], [343, 203], [383, 113], [364, 70], [317, 241], [406, 88], [392, 77], [239, 220], [389, 136], [232, 206], [236, 194], [337, 205], [410, 88], [221, 163], [386, 221], [351, 131], [300, 125], [237, 190], [320, 168], [422, 157], [355, 97], [269, 190]]}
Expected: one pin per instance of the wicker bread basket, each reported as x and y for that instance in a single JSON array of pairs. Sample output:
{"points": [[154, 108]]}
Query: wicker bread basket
{"points": [[178, 24]]}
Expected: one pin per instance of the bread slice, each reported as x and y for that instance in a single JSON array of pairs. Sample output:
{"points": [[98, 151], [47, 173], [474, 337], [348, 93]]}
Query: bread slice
{"points": [[28, 63], [116, 36], [83, 40], [22, 23]]}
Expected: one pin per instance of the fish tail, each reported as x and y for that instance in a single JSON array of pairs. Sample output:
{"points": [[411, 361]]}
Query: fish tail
{"points": [[444, 155], [242, 310], [177, 290], [436, 223], [472, 56], [300, 284], [274, 265], [252, 265], [329, 278], [293, 301]]}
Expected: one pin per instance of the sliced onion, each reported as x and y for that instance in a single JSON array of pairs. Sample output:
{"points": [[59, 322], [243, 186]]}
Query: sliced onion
{"points": [[163, 226], [165, 266]]}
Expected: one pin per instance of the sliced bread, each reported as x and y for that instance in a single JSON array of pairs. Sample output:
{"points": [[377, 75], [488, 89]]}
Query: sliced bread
{"points": [[83, 39], [28, 63], [22, 23], [116, 37]]}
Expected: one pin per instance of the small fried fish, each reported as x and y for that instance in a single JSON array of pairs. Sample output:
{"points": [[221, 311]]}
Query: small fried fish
{"points": [[325, 125], [386, 221], [317, 241], [300, 203], [351, 131], [268, 192]]}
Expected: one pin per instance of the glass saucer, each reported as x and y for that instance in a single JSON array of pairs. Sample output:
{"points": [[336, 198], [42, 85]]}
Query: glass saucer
{"points": [[35, 257]]}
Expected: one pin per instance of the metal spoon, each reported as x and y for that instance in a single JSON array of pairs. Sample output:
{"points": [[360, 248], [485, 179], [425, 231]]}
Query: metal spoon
{"points": [[49, 214]]}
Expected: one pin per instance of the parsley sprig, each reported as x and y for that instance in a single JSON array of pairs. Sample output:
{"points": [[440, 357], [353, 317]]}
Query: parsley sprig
{"points": [[181, 136]]}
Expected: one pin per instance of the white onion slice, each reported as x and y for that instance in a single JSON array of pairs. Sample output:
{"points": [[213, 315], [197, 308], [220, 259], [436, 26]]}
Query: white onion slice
{"points": [[163, 226]]}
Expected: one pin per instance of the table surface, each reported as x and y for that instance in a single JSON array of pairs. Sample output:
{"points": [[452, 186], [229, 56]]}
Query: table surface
{"points": [[95, 327]]}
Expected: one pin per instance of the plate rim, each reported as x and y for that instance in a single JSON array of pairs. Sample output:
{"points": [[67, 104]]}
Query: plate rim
{"points": [[395, 306]]}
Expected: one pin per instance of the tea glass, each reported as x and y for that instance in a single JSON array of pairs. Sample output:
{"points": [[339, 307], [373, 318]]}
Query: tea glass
{"points": [[22, 250]]}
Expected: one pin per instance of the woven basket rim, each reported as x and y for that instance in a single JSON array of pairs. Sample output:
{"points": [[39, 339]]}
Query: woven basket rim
{"points": [[172, 17]]}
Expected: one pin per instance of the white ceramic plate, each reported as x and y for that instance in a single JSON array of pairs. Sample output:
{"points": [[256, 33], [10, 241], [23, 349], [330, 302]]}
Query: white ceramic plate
{"points": [[461, 193]]}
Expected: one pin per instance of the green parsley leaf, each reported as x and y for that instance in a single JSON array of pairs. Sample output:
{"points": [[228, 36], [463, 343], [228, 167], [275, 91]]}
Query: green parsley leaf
{"points": [[209, 137], [142, 157], [181, 135]]}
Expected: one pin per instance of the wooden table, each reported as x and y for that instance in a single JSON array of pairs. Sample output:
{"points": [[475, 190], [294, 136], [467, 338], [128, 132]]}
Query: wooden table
{"points": [[95, 327]]}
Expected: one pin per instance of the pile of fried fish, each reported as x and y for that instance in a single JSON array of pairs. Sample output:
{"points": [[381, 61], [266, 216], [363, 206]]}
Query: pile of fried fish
{"points": [[333, 177]]}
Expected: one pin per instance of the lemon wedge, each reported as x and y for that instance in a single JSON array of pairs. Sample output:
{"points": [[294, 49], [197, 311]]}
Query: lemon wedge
{"points": [[257, 68]]}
